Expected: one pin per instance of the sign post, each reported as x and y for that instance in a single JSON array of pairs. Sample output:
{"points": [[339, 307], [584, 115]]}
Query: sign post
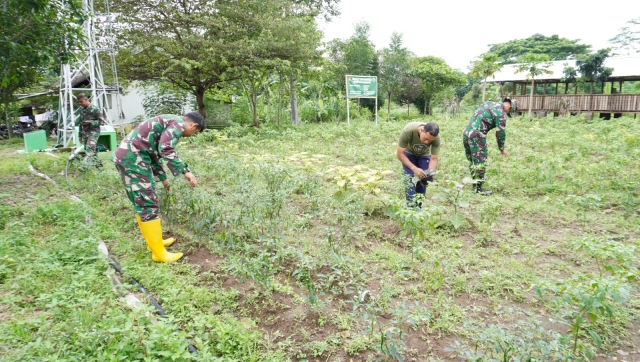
{"points": [[360, 86]]}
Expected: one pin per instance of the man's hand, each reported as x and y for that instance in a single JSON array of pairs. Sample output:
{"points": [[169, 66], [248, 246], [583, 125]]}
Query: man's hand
{"points": [[419, 172], [191, 178], [504, 153], [167, 185]]}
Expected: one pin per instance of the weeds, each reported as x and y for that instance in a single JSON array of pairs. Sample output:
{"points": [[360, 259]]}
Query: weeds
{"points": [[301, 223]]}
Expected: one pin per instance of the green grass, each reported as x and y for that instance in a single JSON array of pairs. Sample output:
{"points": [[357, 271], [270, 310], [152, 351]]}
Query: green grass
{"points": [[290, 226]]}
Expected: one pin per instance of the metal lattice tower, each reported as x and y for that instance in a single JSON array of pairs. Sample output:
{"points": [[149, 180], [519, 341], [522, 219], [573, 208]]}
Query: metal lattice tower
{"points": [[99, 39]]}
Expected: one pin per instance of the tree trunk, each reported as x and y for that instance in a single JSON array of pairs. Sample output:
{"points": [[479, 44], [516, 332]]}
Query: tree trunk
{"points": [[388, 104], [294, 102], [254, 106], [200, 100], [8, 122], [424, 109], [531, 97], [408, 108], [280, 98], [484, 87]]}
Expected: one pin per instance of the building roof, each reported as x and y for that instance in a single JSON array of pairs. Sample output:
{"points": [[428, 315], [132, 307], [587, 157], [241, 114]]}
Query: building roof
{"points": [[624, 68]]}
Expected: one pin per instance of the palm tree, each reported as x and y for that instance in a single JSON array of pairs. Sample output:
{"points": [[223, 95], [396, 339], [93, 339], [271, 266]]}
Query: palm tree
{"points": [[535, 65], [488, 65]]}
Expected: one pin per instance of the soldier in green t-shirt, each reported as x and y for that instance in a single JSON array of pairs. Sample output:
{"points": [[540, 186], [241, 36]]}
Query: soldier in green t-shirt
{"points": [[418, 150]]}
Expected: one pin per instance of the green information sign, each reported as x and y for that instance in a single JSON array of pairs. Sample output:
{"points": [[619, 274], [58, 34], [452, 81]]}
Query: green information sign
{"points": [[359, 86]]}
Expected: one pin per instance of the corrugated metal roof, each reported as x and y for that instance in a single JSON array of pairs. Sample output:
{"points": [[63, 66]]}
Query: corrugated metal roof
{"points": [[622, 67]]}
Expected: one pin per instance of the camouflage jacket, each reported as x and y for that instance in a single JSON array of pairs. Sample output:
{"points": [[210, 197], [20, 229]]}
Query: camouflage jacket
{"points": [[489, 115], [153, 141], [89, 114]]}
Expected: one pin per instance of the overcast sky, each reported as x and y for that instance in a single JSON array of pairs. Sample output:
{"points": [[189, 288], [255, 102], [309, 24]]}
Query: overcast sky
{"points": [[459, 31]]}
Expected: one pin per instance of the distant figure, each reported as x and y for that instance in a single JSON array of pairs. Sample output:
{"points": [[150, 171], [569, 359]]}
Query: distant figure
{"points": [[89, 122], [418, 150], [488, 115], [144, 156]]}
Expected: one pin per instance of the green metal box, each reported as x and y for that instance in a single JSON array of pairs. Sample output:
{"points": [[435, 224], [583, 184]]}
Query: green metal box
{"points": [[35, 141], [107, 137]]}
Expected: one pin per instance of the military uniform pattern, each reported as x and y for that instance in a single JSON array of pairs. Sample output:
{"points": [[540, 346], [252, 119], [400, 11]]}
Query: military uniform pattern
{"points": [[90, 133], [141, 159], [488, 115]]}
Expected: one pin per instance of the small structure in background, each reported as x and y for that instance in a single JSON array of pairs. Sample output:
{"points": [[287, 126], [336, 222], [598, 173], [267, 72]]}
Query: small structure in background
{"points": [[552, 90]]}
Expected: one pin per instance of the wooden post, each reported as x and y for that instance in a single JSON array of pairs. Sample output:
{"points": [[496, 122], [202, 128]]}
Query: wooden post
{"points": [[501, 93], [566, 87], [544, 88], [556, 87]]}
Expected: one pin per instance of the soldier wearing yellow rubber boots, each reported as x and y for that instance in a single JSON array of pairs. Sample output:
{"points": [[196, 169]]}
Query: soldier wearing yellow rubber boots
{"points": [[141, 158]]}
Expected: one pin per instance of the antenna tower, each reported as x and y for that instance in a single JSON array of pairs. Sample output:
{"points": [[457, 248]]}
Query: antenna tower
{"points": [[99, 39]]}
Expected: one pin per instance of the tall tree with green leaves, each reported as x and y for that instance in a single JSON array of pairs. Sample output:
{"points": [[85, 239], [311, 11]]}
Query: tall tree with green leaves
{"points": [[435, 76], [354, 56], [533, 65], [592, 68], [359, 53], [199, 44], [409, 91], [485, 67], [394, 65], [35, 36], [555, 47], [627, 42]]}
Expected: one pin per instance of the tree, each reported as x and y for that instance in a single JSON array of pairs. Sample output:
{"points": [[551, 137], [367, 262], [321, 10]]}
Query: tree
{"points": [[355, 56], [435, 76], [627, 42], [534, 65], [199, 44], [359, 53], [394, 65], [409, 90], [35, 37], [592, 68], [161, 99], [488, 65], [570, 75], [555, 47]]}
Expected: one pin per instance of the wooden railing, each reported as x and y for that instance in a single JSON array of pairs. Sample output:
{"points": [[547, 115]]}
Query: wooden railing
{"points": [[613, 103]]}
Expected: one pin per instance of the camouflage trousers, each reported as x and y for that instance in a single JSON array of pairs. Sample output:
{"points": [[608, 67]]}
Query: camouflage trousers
{"points": [[140, 188], [89, 139], [475, 148]]}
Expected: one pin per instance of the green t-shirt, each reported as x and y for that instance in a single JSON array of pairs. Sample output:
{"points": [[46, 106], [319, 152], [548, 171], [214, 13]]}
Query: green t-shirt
{"points": [[410, 139]]}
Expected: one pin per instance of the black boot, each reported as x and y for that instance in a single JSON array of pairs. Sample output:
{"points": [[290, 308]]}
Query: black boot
{"points": [[480, 190]]}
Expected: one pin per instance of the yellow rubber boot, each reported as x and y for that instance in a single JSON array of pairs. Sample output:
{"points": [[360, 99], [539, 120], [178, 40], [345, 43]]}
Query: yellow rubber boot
{"points": [[152, 233], [165, 242]]}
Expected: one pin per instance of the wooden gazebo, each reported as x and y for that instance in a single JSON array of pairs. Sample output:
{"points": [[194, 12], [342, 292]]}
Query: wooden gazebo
{"points": [[557, 98]]}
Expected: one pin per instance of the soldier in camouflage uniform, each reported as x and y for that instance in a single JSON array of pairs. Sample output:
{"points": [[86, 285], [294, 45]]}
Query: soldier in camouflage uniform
{"points": [[89, 122], [488, 115], [141, 159]]}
